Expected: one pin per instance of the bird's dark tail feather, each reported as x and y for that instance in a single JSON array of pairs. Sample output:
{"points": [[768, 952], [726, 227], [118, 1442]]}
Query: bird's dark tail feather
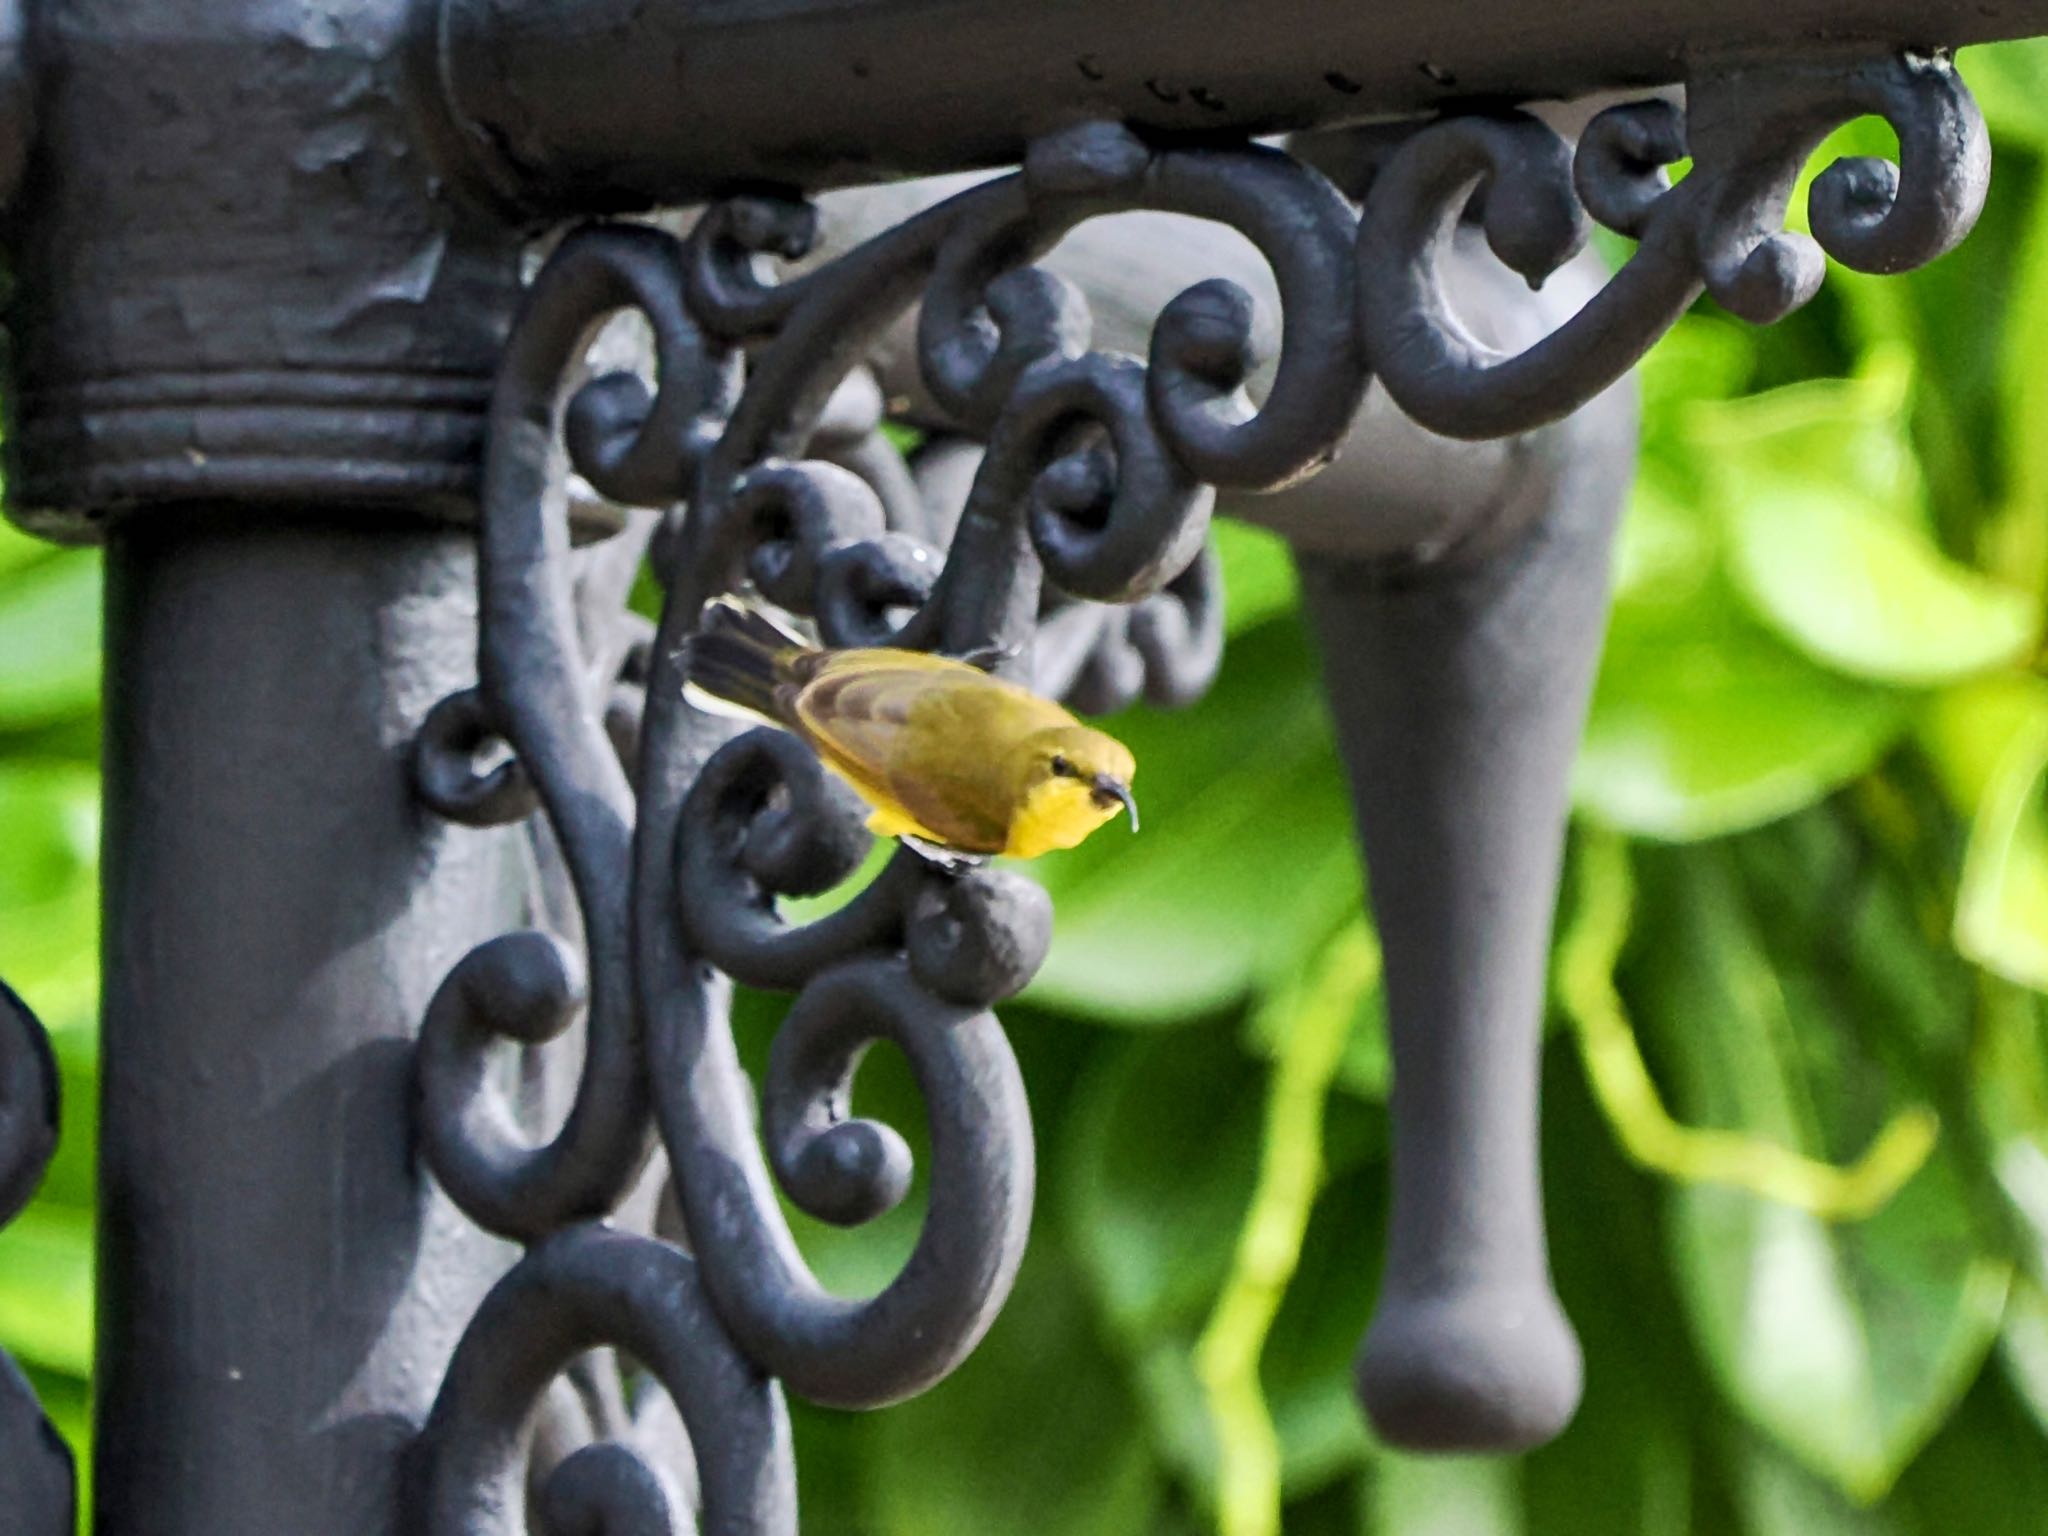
{"points": [[736, 658]]}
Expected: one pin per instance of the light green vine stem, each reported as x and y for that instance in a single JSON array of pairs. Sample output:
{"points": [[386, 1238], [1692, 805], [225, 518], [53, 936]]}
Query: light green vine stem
{"points": [[1629, 1099], [1312, 1018]]}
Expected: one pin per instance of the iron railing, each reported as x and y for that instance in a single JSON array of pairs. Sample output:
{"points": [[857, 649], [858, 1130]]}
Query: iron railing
{"points": [[396, 780]]}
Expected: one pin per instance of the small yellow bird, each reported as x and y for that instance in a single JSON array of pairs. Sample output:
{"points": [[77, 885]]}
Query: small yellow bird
{"points": [[951, 759]]}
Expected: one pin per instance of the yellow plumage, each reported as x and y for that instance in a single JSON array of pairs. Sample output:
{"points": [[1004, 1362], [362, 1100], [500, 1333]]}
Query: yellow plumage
{"points": [[943, 753]]}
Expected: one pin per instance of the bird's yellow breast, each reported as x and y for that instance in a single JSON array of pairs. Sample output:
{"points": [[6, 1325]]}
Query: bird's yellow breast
{"points": [[1058, 813]]}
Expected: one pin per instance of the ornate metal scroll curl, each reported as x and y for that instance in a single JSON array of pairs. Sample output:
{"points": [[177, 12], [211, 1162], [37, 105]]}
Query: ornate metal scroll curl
{"points": [[36, 1478], [1750, 126]]}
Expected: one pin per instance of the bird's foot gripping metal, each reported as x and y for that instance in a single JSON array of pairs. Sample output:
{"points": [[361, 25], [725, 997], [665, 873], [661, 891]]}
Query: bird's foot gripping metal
{"points": [[1085, 520]]}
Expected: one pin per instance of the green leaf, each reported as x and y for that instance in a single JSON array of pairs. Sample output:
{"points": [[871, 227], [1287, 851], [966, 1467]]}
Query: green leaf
{"points": [[2009, 1089], [1802, 505], [1848, 1348], [2023, 1349], [2006, 80], [1664, 549], [2009, 1083], [1259, 582], [834, 1456], [1035, 1434], [1868, 595], [1849, 435], [1223, 896], [1182, 1434], [2002, 902], [1628, 1463], [1160, 1158], [50, 640], [1442, 1496], [1967, 729], [1245, 863], [18, 549], [1306, 1369], [49, 888], [1157, 1168], [1778, 1498], [1986, 1473], [51, 812], [2009, 1068], [1828, 536], [1229, 1355], [1588, 947], [2017, 543], [1703, 723], [1850, 1344], [1364, 1068], [46, 1295], [1703, 357], [1305, 1372]]}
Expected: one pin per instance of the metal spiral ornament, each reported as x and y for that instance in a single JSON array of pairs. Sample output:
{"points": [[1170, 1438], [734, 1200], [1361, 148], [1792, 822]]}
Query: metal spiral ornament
{"points": [[1086, 491], [1749, 127]]}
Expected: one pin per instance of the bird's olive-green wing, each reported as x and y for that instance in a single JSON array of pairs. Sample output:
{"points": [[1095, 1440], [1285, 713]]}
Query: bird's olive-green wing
{"points": [[855, 716], [857, 703], [925, 734]]}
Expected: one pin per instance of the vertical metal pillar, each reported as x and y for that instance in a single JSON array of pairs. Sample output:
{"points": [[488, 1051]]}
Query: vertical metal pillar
{"points": [[253, 345], [281, 1283]]}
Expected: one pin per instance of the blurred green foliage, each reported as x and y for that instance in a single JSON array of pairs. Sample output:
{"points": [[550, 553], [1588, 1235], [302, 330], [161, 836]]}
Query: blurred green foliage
{"points": [[49, 941], [1796, 1124]]}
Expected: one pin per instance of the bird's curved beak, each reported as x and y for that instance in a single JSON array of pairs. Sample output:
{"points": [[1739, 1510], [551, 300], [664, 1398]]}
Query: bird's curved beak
{"points": [[1107, 790]]}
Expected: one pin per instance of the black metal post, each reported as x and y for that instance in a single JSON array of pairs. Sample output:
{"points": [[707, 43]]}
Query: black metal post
{"points": [[281, 1283], [235, 279], [252, 350]]}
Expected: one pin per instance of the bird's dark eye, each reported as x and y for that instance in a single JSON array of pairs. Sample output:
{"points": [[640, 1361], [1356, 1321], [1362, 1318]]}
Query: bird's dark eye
{"points": [[1063, 768]]}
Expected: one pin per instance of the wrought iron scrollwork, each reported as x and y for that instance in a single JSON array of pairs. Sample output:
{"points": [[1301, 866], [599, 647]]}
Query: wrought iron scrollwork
{"points": [[584, 1287], [1749, 126], [36, 1479], [1090, 490], [1076, 550]]}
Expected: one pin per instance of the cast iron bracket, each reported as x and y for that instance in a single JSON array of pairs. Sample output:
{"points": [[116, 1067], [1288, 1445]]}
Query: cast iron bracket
{"points": [[1094, 490]]}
